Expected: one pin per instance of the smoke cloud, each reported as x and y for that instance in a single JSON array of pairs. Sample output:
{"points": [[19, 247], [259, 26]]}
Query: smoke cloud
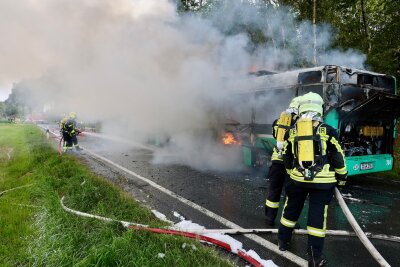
{"points": [[144, 70]]}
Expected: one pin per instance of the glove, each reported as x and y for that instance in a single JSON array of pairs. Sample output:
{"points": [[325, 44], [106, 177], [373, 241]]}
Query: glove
{"points": [[341, 179]]}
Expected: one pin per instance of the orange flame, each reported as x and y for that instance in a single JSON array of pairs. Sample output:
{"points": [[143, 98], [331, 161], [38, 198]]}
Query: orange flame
{"points": [[229, 139]]}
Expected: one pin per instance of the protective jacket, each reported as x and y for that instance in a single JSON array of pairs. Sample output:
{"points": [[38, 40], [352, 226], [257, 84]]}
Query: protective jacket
{"points": [[62, 123], [69, 127], [329, 158]]}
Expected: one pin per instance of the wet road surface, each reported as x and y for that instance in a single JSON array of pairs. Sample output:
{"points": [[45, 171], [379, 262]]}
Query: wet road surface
{"points": [[239, 197]]}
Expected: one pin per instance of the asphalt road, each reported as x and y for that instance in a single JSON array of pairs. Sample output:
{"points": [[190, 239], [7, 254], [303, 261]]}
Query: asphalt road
{"points": [[240, 196]]}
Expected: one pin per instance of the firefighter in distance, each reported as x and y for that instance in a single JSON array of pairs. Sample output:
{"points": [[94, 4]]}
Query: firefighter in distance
{"points": [[69, 132], [315, 162], [277, 173]]}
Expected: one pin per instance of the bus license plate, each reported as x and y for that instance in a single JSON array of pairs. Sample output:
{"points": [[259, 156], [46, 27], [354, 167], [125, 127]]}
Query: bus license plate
{"points": [[366, 166]]}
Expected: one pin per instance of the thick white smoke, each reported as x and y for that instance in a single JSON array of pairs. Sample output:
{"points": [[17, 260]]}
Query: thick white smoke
{"points": [[143, 69]]}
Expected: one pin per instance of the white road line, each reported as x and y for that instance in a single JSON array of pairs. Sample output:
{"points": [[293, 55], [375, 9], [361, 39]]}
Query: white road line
{"points": [[286, 254], [265, 243]]}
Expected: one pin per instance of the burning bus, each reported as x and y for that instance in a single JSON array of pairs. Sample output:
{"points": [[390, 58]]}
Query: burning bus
{"points": [[362, 105]]}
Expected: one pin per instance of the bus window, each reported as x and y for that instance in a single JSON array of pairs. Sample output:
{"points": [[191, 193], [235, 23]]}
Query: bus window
{"points": [[352, 95], [348, 78], [380, 82], [385, 82], [302, 90], [310, 77], [331, 75], [332, 95]]}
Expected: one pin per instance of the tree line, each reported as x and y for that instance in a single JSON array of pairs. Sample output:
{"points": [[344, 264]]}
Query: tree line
{"points": [[369, 26]]}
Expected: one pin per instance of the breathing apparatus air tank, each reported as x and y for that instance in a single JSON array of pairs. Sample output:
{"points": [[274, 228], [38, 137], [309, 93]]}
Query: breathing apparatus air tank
{"points": [[283, 124], [305, 146]]}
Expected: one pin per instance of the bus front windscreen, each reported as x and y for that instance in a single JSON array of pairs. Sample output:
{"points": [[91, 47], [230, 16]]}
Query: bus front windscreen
{"points": [[315, 88]]}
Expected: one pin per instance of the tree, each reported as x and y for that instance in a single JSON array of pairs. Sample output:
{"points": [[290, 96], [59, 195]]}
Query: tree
{"points": [[2, 109], [372, 27]]}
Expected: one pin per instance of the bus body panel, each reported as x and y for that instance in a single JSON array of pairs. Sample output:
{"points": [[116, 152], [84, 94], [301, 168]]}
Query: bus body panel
{"points": [[332, 119], [357, 165], [261, 150], [355, 100]]}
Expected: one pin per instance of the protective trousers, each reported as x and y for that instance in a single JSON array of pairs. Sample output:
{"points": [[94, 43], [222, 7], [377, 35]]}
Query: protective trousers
{"points": [[317, 214], [277, 176], [69, 140]]}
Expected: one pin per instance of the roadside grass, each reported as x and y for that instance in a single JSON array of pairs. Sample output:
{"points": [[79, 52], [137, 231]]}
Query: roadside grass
{"points": [[36, 231]]}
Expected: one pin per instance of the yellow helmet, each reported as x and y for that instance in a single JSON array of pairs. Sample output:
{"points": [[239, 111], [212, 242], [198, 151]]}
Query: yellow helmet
{"points": [[295, 102], [294, 106], [72, 115], [311, 102]]}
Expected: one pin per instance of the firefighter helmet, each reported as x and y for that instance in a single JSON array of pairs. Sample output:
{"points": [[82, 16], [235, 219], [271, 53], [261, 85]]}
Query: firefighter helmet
{"points": [[294, 106], [311, 102], [72, 115], [295, 102]]}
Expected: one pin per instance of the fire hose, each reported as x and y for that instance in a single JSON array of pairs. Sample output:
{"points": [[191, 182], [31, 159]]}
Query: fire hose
{"points": [[60, 138], [15, 188], [200, 233], [135, 226], [9, 153], [361, 235]]}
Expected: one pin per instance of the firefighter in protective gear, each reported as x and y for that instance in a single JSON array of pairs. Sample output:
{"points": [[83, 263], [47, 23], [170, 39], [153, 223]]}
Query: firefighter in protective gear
{"points": [[277, 173], [315, 162], [70, 132]]}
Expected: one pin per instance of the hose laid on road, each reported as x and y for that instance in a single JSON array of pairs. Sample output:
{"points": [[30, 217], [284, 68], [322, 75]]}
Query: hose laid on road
{"points": [[390, 238], [199, 233], [361, 235], [135, 226], [241, 253]]}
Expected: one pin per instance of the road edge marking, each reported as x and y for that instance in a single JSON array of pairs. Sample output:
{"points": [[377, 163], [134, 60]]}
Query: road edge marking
{"points": [[261, 241]]}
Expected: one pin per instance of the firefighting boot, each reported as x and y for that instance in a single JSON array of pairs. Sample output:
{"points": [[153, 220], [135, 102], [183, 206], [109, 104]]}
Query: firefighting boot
{"points": [[283, 245]]}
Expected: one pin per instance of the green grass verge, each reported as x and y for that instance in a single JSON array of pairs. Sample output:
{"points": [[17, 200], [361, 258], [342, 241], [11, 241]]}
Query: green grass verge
{"points": [[36, 231]]}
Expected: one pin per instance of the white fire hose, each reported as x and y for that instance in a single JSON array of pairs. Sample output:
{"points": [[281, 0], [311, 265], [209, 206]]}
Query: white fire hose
{"points": [[15, 188], [358, 231], [364, 239], [133, 225]]}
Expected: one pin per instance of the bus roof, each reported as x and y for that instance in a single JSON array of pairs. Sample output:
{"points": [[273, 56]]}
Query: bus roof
{"points": [[281, 80]]}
